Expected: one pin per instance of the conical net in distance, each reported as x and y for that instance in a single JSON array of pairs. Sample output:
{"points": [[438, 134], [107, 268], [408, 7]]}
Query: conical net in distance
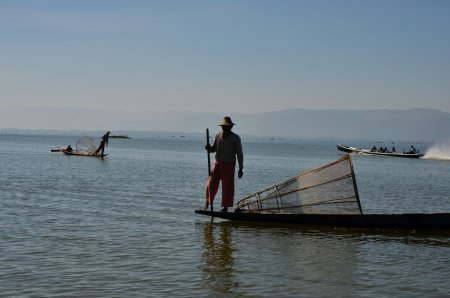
{"points": [[86, 144], [330, 189]]}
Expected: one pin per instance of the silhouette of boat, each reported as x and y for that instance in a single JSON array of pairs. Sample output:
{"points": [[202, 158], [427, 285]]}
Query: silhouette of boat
{"points": [[349, 149], [82, 153], [85, 146]]}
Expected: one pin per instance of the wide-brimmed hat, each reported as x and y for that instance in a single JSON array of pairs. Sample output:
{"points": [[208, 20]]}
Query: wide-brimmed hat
{"points": [[226, 121]]}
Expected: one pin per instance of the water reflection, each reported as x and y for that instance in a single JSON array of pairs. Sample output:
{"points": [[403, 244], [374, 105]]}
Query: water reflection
{"points": [[238, 257], [218, 259]]}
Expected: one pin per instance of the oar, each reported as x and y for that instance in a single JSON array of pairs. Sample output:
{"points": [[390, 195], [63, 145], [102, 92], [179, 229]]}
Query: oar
{"points": [[209, 164], [209, 159]]}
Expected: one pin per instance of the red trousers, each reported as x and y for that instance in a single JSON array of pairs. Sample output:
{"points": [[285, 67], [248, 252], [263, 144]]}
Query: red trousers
{"points": [[222, 170]]}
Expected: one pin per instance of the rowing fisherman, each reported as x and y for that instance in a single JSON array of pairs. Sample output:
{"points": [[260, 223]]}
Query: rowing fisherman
{"points": [[103, 144], [227, 146]]}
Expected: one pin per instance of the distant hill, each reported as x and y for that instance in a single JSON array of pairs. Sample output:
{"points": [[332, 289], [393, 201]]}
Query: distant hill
{"points": [[409, 125]]}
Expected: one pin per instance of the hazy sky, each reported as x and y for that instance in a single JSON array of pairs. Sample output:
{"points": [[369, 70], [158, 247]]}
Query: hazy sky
{"points": [[225, 56]]}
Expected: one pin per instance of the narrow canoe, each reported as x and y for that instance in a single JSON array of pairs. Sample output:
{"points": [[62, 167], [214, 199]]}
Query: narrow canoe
{"points": [[408, 221], [82, 153]]}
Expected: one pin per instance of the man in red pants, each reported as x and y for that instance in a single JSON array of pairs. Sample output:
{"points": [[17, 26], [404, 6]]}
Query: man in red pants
{"points": [[227, 146]]}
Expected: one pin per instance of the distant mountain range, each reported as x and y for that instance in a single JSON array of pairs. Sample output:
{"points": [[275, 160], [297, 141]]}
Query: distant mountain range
{"points": [[417, 124]]}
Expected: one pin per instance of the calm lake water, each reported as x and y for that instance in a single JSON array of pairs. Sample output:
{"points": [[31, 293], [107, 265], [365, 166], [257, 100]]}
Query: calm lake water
{"points": [[124, 226]]}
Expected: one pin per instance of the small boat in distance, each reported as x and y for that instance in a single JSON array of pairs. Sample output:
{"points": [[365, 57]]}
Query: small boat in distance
{"points": [[85, 146], [83, 153], [349, 149], [59, 149]]}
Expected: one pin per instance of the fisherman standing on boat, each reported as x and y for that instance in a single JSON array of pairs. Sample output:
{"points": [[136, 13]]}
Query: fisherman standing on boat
{"points": [[227, 146], [103, 144]]}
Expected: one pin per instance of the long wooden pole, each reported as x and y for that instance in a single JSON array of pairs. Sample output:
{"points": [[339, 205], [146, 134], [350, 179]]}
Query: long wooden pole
{"points": [[209, 159], [209, 172], [354, 183]]}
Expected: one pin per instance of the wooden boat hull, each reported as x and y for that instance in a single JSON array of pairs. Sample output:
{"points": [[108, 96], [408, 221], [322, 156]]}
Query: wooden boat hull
{"points": [[349, 149], [409, 221], [82, 153], [346, 149]]}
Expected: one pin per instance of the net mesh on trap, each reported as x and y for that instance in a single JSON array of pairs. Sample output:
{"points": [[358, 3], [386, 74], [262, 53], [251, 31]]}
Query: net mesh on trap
{"points": [[330, 189], [86, 144]]}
